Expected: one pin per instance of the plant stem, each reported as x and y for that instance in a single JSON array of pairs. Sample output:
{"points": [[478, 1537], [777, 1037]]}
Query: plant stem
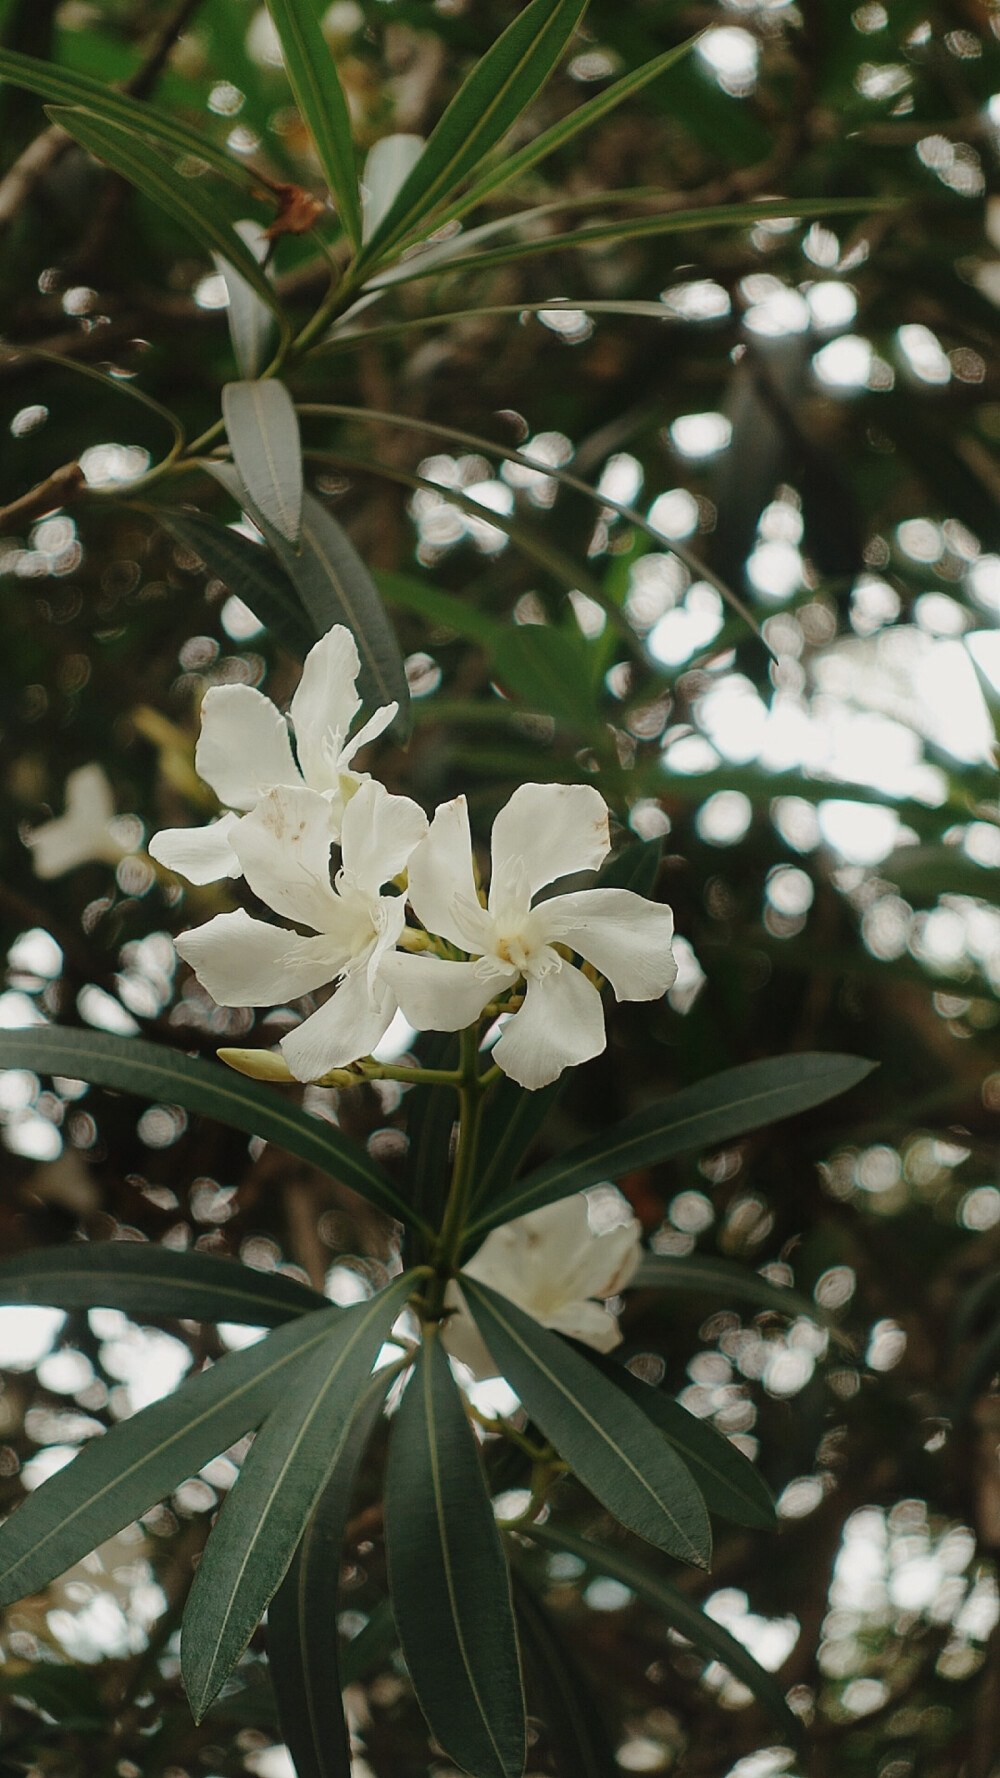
{"points": [[471, 1091]]}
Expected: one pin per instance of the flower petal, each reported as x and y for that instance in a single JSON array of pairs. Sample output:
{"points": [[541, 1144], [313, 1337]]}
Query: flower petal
{"points": [[245, 962], [347, 1026], [544, 832], [82, 833], [462, 1339], [201, 854], [442, 887], [622, 934], [243, 749], [324, 706], [283, 846], [378, 834], [369, 731], [588, 1322], [560, 1024], [436, 995]]}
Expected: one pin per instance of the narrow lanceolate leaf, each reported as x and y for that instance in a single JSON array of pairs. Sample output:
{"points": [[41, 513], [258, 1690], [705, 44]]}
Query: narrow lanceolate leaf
{"points": [[448, 1578], [729, 1483], [430, 1128], [123, 1474], [682, 1614], [248, 570], [129, 1065], [290, 1463], [263, 431], [503, 82], [182, 199], [713, 1111], [603, 1437], [142, 1280], [67, 86], [314, 80], [335, 587], [250, 322], [560, 1694], [703, 1275], [514, 165], [511, 1120], [302, 1637]]}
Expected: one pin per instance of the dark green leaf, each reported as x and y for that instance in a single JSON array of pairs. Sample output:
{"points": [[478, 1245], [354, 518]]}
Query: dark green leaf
{"points": [[713, 1111], [730, 1484], [142, 1279], [153, 1072], [503, 82], [547, 669], [371, 1646], [702, 1275], [247, 570], [292, 1458], [182, 199], [562, 1696], [67, 86], [124, 1473], [302, 1639], [335, 587], [606, 1441], [639, 228], [314, 80], [511, 1120], [681, 1614], [512, 166], [430, 1126], [444, 610], [263, 431], [448, 1577]]}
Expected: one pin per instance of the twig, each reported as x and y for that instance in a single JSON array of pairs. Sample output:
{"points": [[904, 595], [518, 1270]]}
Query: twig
{"points": [[63, 485]]}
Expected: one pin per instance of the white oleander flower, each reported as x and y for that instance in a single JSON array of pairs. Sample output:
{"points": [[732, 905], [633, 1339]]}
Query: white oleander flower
{"points": [[244, 750], [546, 831], [553, 1264], [89, 831], [283, 848]]}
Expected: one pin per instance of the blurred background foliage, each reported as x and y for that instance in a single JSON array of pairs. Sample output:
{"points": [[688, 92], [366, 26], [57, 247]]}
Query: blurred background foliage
{"points": [[814, 417]]}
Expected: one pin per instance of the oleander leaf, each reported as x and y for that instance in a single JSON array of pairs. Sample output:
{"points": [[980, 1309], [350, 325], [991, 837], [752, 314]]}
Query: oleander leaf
{"points": [[312, 75], [503, 82], [250, 321], [302, 1636], [182, 199], [728, 1481], [68, 86], [129, 1065], [448, 1577], [125, 1472], [289, 1464], [700, 1274], [144, 1279], [715, 1110], [511, 1120], [608, 1443], [561, 1694], [248, 570], [681, 1613], [263, 431]]}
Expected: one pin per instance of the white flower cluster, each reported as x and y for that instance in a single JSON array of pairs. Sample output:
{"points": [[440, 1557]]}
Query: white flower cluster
{"points": [[284, 820]]}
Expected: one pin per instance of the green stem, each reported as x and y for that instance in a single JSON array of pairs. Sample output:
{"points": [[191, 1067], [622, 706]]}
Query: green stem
{"points": [[472, 1087]]}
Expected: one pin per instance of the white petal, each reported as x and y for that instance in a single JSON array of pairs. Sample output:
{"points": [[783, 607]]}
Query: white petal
{"points": [[623, 935], [348, 1026], [442, 889], [589, 1322], [245, 962], [378, 834], [324, 706], [243, 749], [560, 1024], [369, 731], [284, 846], [436, 995], [81, 834], [201, 854], [545, 831], [462, 1339]]}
